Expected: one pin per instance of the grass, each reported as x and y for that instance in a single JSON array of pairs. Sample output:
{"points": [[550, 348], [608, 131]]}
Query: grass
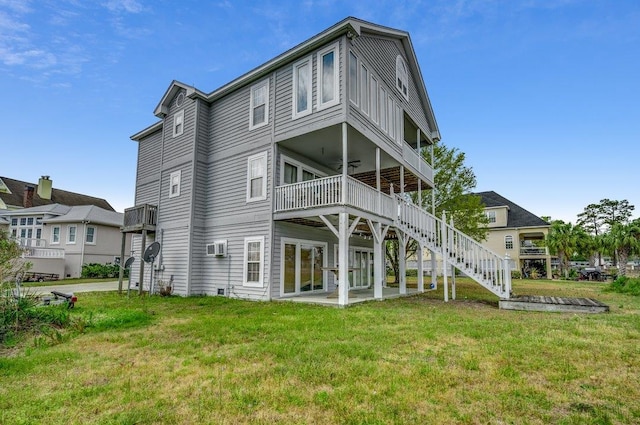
{"points": [[69, 281], [411, 360]]}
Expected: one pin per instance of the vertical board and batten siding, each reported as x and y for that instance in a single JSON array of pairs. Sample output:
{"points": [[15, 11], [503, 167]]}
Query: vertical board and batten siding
{"points": [[284, 122], [381, 53]]}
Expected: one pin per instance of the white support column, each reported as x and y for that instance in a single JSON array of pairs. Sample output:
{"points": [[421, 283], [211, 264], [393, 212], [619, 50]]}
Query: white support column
{"points": [[434, 270], [345, 163], [402, 181], [378, 261], [343, 259], [402, 262], [419, 254], [453, 282], [445, 254]]}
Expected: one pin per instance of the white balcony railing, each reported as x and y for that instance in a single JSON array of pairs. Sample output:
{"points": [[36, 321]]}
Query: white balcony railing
{"points": [[44, 253], [533, 250], [31, 242], [327, 191], [414, 159]]}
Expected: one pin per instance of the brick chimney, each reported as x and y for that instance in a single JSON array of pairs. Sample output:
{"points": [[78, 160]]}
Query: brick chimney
{"points": [[44, 187], [27, 199]]}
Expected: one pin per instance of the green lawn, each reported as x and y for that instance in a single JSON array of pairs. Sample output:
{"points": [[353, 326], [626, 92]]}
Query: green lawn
{"points": [[416, 360]]}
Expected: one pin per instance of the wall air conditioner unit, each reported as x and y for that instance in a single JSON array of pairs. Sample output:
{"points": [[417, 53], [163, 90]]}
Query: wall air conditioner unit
{"points": [[217, 249]]}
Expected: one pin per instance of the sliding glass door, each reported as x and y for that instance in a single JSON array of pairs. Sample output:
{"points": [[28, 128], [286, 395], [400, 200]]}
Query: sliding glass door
{"points": [[302, 264]]}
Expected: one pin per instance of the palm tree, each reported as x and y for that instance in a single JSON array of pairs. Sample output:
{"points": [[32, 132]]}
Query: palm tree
{"points": [[623, 240], [562, 241]]}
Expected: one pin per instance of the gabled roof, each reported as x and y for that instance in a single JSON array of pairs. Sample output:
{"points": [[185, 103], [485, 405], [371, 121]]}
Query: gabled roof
{"points": [[14, 196], [516, 215], [89, 214], [50, 209], [350, 26]]}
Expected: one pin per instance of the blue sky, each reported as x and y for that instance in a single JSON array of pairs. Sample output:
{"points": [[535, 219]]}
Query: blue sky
{"points": [[543, 96]]}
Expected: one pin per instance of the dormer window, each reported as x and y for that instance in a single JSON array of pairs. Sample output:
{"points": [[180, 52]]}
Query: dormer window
{"points": [[491, 216], [402, 77]]}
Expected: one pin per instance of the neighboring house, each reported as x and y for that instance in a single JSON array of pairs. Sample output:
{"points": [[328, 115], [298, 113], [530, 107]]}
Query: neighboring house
{"points": [[518, 233], [16, 194], [59, 239], [288, 179]]}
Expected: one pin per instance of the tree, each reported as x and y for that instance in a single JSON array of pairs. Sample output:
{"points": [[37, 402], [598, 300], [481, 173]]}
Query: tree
{"points": [[11, 262], [624, 240], [614, 212], [587, 245], [562, 241], [453, 182]]}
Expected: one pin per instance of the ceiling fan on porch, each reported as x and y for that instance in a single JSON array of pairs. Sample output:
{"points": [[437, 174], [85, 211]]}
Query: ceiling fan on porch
{"points": [[351, 165]]}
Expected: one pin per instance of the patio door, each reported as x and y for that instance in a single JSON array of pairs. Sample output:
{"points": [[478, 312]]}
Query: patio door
{"points": [[360, 267], [302, 263]]}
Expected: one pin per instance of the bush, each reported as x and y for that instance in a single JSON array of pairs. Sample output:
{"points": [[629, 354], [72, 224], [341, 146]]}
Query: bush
{"points": [[625, 285], [22, 315], [515, 274], [99, 271]]}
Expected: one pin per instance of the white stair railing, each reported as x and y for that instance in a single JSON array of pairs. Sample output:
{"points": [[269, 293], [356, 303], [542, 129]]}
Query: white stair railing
{"points": [[476, 261]]}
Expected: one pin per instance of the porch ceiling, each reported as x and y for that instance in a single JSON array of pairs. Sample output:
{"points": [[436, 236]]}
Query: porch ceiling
{"points": [[324, 146]]}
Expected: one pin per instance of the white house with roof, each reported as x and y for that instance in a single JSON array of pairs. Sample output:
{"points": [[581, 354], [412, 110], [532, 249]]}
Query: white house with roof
{"points": [[59, 239], [286, 181]]}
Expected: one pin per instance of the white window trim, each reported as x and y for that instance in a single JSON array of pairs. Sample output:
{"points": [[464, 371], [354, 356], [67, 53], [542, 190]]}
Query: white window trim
{"points": [[491, 216], [179, 116], [510, 239], [335, 48], [364, 89], [75, 235], [178, 175], [295, 114], [260, 283], [373, 91], [263, 157], [300, 165], [354, 82], [95, 235], [298, 243], [53, 233], [382, 112], [255, 87]]}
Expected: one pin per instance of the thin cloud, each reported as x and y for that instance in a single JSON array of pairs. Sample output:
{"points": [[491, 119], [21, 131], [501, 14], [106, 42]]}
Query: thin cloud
{"points": [[129, 6]]}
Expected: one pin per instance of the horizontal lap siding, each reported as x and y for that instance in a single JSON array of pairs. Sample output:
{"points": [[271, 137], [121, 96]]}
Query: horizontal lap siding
{"points": [[149, 155], [178, 146], [380, 53], [147, 193], [227, 272]]}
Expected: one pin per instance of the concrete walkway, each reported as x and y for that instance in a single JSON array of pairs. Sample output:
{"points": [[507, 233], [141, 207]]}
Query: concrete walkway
{"points": [[77, 287]]}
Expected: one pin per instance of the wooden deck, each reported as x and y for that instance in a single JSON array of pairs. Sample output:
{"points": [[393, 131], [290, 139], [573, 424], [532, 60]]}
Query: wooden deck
{"points": [[554, 304]]}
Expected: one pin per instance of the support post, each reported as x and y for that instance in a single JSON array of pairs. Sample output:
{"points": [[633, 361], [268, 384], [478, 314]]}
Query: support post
{"points": [[434, 270], [142, 249], [343, 260], [378, 261], [445, 253], [402, 262], [419, 254], [122, 262], [453, 282], [507, 275]]}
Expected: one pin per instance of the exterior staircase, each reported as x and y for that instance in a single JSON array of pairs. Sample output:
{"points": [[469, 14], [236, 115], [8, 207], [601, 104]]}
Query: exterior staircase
{"points": [[457, 249]]}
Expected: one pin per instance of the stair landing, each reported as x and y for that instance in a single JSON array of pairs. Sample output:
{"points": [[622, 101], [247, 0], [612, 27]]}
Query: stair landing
{"points": [[554, 304]]}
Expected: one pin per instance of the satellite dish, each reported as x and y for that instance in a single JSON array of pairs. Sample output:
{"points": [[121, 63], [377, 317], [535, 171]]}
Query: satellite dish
{"points": [[151, 252], [129, 262]]}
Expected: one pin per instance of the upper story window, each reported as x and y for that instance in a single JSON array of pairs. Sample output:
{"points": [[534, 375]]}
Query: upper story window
{"points": [[383, 109], [353, 78], [55, 235], [328, 93], [259, 109], [364, 89], [174, 183], [491, 216], [23, 221], [508, 242], [14, 221], [178, 123], [302, 88], [91, 235], [294, 172], [373, 85], [256, 177], [71, 234], [402, 77]]}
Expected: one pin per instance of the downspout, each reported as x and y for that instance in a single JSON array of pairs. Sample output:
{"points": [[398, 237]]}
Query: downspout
{"points": [[84, 241], [272, 226]]}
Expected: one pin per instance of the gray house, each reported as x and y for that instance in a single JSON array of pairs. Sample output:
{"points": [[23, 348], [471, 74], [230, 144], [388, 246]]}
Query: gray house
{"points": [[287, 180]]}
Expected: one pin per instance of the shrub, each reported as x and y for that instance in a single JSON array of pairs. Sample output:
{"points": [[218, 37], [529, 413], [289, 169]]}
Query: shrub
{"points": [[99, 271], [515, 274], [625, 285]]}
